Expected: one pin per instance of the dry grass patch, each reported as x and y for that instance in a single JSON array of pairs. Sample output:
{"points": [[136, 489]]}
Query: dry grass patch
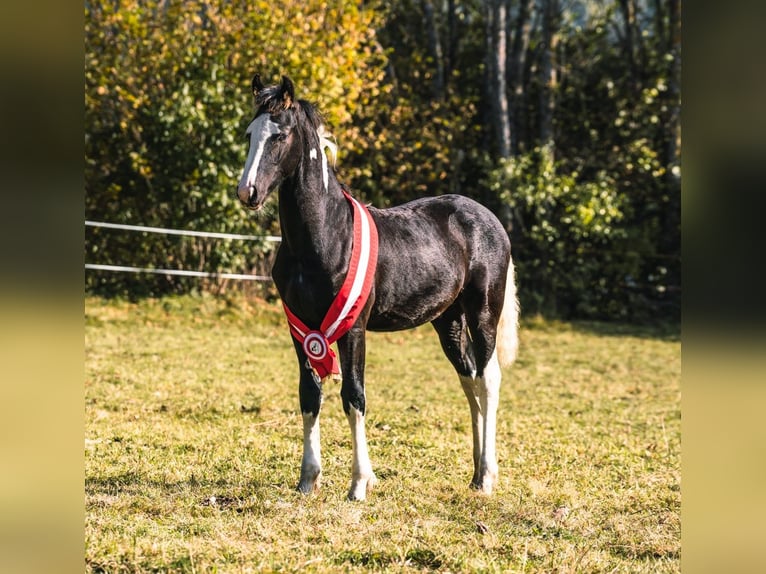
{"points": [[193, 445]]}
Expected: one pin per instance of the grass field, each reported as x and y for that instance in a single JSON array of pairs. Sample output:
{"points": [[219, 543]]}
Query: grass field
{"points": [[193, 446]]}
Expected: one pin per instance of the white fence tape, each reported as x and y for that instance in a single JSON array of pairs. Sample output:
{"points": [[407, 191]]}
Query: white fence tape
{"points": [[272, 238], [182, 272]]}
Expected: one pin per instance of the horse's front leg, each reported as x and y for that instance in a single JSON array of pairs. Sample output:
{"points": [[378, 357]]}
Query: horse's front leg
{"points": [[310, 392], [351, 348]]}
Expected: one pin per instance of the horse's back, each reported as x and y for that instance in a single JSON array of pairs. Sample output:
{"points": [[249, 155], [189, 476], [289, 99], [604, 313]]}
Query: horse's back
{"points": [[430, 249], [451, 222], [444, 218]]}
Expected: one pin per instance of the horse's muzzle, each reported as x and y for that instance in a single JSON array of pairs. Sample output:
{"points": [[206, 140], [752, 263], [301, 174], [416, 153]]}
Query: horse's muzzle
{"points": [[245, 193]]}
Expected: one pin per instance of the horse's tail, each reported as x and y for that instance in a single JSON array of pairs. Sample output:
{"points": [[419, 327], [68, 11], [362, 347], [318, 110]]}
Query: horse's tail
{"points": [[508, 327]]}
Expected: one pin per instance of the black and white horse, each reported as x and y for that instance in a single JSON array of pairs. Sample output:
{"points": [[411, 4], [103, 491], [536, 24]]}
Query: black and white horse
{"points": [[444, 260]]}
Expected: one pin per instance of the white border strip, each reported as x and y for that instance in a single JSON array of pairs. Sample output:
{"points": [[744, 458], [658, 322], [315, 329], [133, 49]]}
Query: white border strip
{"points": [[272, 238], [176, 272]]}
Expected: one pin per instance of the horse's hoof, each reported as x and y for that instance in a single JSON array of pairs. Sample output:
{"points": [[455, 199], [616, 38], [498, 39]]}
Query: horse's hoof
{"points": [[361, 487], [306, 488], [485, 484], [486, 489], [309, 482]]}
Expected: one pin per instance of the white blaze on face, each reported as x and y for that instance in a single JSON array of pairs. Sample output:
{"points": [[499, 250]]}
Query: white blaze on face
{"points": [[259, 130]]}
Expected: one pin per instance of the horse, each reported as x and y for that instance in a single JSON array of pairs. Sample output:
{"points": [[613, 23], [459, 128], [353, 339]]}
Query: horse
{"points": [[444, 260]]}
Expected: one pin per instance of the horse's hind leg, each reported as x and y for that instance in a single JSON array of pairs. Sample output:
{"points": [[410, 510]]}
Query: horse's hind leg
{"points": [[482, 315], [453, 335], [477, 422], [488, 386]]}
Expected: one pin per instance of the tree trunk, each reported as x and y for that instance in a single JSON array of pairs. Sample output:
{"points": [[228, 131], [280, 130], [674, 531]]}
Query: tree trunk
{"points": [[674, 86], [452, 41], [496, 14], [659, 18], [672, 219], [548, 76], [633, 46], [516, 64], [435, 50]]}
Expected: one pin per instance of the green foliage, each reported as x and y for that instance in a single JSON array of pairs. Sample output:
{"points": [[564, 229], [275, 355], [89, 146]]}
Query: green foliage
{"points": [[595, 219], [616, 122], [167, 98], [564, 231], [419, 151]]}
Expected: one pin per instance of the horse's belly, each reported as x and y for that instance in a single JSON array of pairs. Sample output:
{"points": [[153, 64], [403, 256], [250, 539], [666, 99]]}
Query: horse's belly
{"points": [[405, 305], [394, 321]]}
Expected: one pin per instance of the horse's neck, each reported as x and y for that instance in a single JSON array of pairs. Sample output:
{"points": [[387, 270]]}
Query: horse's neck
{"points": [[316, 223]]}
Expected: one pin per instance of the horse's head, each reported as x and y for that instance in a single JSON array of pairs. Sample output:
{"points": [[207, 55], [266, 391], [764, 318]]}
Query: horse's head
{"points": [[274, 144]]}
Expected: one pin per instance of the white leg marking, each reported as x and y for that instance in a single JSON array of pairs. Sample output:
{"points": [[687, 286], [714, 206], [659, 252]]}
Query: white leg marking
{"points": [[311, 465], [362, 477], [489, 396], [477, 424]]}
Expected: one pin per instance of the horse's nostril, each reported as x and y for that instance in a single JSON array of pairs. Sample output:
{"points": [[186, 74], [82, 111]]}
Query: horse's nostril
{"points": [[244, 193]]}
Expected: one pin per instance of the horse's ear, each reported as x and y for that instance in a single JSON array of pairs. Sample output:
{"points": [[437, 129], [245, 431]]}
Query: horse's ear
{"points": [[288, 92], [257, 84]]}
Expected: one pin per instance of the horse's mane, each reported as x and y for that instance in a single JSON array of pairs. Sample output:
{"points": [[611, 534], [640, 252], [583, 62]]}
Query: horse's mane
{"points": [[271, 100], [312, 114]]}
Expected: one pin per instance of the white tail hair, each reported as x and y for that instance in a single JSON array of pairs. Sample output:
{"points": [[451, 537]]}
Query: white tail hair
{"points": [[507, 339]]}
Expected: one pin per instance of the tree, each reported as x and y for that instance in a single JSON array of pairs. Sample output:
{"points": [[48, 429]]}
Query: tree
{"points": [[548, 72], [562, 117], [497, 18], [516, 68], [606, 193], [165, 115]]}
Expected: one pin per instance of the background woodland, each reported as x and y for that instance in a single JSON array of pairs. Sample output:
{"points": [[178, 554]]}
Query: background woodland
{"points": [[562, 116]]}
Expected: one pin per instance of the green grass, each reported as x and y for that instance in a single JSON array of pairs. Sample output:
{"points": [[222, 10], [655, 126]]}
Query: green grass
{"points": [[193, 446]]}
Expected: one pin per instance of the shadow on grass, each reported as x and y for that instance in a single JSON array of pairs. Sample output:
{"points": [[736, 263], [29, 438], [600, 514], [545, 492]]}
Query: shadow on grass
{"points": [[664, 331], [221, 493], [645, 554], [422, 558]]}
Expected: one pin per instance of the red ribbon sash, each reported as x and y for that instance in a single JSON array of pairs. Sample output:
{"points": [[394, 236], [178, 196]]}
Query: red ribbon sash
{"points": [[349, 301]]}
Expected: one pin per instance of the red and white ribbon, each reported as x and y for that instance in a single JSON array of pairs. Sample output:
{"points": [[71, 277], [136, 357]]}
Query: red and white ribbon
{"points": [[348, 303]]}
